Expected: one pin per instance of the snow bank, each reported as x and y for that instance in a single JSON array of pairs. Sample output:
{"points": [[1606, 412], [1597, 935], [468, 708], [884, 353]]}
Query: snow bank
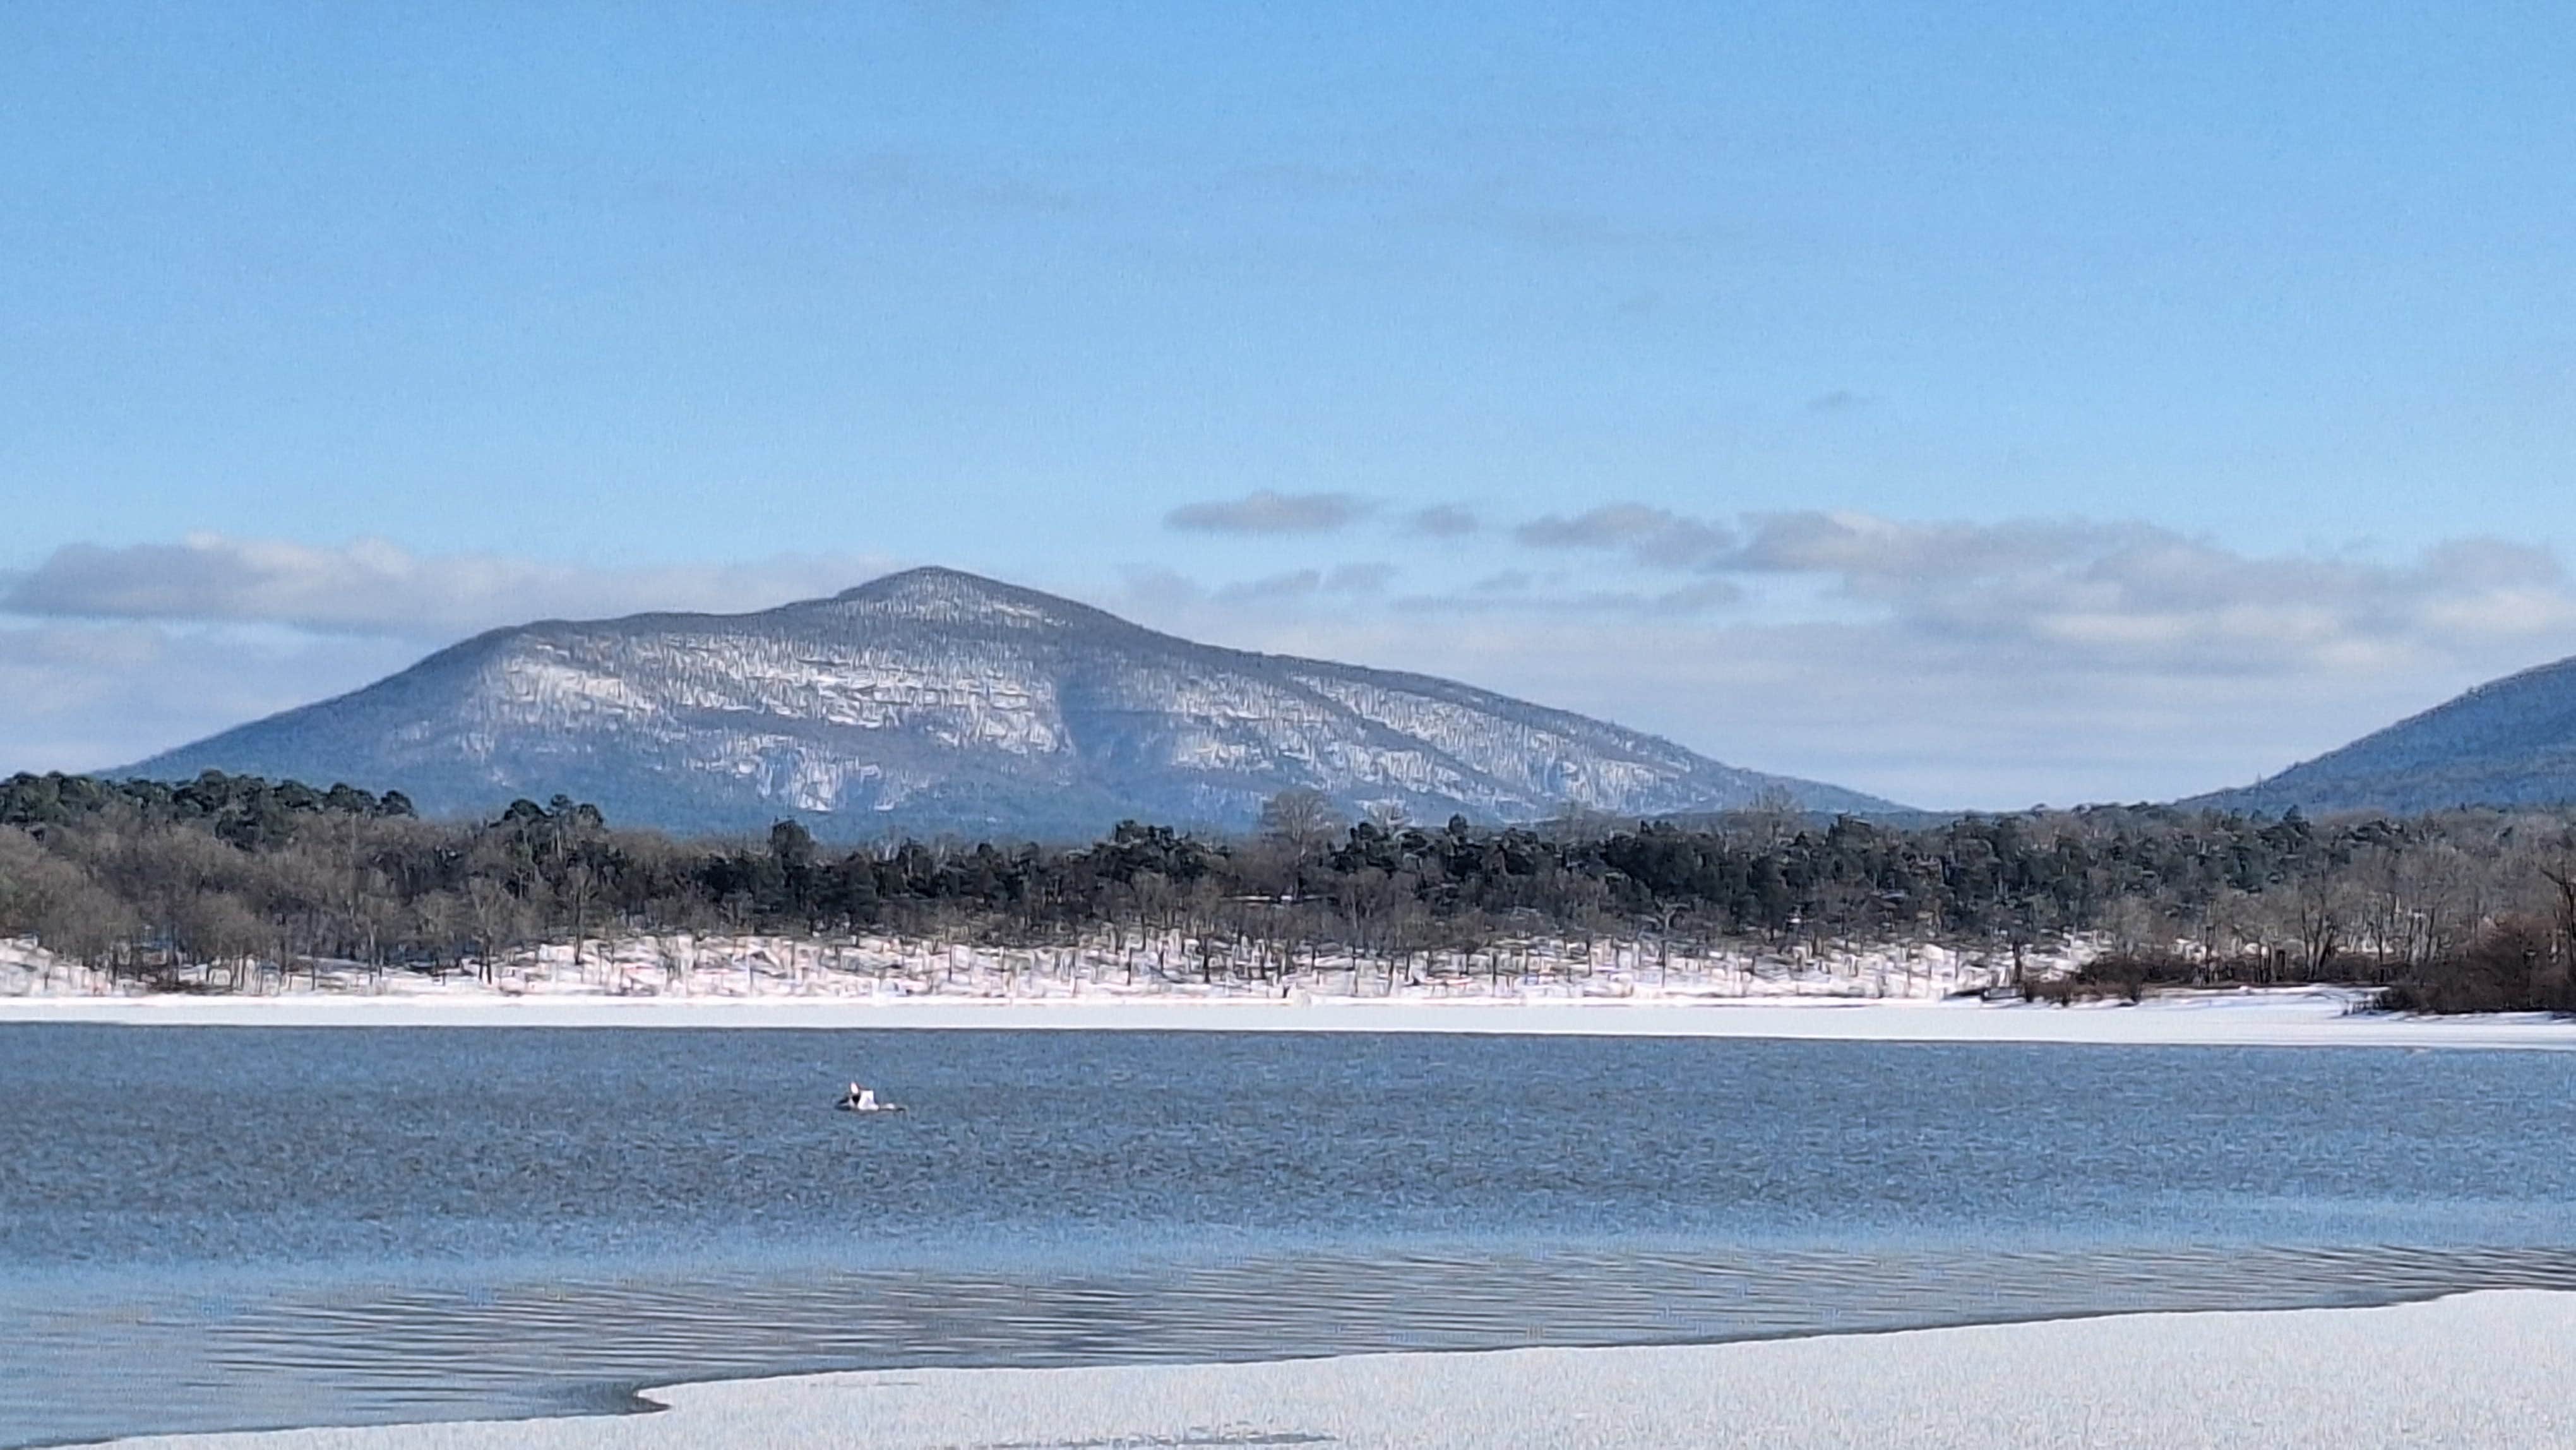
{"points": [[2478, 1370]]}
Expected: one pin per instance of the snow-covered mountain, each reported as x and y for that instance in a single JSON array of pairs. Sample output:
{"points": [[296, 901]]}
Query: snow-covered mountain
{"points": [[933, 701], [2509, 742]]}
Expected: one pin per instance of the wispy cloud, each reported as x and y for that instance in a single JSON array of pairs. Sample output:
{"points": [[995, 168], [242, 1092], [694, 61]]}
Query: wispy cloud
{"points": [[1512, 593], [2135, 595], [1266, 512], [1442, 521], [1994, 663], [1293, 584], [1362, 580], [2080, 594], [1369, 578], [373, 587], [88, 695], [1649, 535]]}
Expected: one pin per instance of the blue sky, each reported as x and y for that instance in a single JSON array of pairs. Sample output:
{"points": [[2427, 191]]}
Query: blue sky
{"points": [[1978, 405]]}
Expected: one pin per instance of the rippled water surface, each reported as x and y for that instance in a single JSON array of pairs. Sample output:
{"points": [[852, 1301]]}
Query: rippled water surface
{"points": [[221, 1227]]}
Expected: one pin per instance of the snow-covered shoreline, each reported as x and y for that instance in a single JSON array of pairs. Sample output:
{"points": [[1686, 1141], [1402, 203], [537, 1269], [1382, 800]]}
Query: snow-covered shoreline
{"points": [[1909, 994], [2290, 1017], [1122, 964], [2484, 1370]]}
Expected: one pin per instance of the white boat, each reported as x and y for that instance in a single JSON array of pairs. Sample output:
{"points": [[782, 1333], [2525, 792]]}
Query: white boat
{"points": [[864, 1100]]}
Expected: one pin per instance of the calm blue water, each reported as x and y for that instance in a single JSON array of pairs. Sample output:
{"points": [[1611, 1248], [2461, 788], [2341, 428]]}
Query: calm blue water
{"points": [[226, 1227]]}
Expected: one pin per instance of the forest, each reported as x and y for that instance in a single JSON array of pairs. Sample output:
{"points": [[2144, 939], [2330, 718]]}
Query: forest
{"points": [[2461, 911]]}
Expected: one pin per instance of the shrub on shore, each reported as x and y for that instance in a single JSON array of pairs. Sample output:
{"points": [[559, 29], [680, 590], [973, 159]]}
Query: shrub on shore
{"points": [[2519, 965]]}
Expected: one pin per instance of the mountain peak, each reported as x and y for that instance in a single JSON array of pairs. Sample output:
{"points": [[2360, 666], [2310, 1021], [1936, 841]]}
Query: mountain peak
{"points": [[937, 700], [934, 595]]}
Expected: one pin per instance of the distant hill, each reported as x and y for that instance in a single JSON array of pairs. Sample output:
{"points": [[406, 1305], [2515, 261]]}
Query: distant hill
{"points": [[2511, 742], [938, 701]]}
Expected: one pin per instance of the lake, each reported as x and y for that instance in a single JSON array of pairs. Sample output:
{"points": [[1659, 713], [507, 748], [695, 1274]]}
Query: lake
{"points": [[206, 1228]]}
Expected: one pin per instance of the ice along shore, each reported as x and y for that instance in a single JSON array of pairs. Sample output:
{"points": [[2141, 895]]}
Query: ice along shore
{"points": [[2478, 1370]]}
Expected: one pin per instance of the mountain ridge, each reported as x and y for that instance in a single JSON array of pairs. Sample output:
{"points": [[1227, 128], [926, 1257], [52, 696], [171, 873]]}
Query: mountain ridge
{"points": [[2508, 742], [937, 699]]}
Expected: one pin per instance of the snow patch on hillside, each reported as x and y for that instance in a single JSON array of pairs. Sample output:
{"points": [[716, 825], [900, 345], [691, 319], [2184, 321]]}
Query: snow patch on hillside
{"points": [[1047, 718]]}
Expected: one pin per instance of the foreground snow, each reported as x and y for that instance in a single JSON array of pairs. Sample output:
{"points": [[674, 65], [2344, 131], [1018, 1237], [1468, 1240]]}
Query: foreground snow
{"points": [[2481, 1370]]}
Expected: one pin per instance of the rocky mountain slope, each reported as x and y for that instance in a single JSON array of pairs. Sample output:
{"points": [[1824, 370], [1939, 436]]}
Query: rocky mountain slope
{"points": [[938, 701]]}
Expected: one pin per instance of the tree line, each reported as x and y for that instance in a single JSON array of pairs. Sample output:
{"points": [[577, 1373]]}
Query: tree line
{"points": [[2466, 910]]}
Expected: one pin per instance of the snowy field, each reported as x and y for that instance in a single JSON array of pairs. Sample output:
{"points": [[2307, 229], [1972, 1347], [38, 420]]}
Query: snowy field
{"points": [[2479, 1370], [1630, 989], [1116, 966]]}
